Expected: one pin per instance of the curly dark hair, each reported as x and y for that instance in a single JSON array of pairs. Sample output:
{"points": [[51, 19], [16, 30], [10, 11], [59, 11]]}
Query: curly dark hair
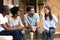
{"points": [[14, 10]]}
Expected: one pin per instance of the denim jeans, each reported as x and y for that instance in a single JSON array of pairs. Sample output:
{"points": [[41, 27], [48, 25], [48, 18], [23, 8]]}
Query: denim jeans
{"points": [[16, 34], [50, 34]]}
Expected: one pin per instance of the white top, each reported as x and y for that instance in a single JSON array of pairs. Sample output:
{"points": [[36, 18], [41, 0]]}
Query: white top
{"points": [[47, 23], [16, 22], [3, 20]]}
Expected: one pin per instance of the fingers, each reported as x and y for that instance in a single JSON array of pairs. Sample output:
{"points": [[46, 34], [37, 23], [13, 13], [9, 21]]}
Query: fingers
{"points": [[33, 29]]}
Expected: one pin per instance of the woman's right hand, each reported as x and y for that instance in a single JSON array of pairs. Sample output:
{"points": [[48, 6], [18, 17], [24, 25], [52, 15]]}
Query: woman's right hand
{"points": [[47, 31]]}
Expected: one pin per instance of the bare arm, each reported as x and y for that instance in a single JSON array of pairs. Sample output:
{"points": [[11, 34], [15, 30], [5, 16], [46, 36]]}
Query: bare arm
{"points": [[7, 28], [27, 25], [8, 25], [37, 25]]}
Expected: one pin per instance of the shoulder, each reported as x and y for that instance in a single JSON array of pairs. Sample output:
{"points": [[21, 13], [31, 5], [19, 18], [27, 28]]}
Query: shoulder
{"points": [[1, 15], [10, 19], [25, 15], [43, 17], [53, 15], [36, 14], [18, 17]]}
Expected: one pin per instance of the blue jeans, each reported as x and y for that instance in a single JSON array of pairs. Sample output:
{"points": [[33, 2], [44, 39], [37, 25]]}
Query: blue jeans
{"points": [[16, 34], [50, 34]]}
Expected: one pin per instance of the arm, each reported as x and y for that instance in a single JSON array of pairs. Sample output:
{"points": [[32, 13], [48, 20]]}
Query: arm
{"points": [[10, 28], [25, 22], [7, 28], [27, 25], [21, 24], [38, 21], [8, 24], [55, 19], [44, 25]]}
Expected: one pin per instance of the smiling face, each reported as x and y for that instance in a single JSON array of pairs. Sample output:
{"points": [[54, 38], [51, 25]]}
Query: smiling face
{"points": [[6, 10], [46, 10], [31, 11]]}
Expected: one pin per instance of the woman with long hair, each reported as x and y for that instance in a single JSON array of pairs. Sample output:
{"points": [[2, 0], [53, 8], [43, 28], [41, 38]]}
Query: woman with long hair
{"points": [[49, 21]]}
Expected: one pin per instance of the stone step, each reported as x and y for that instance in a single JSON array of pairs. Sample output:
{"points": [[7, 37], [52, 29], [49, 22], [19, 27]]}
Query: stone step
{"points": [[6, 37]]}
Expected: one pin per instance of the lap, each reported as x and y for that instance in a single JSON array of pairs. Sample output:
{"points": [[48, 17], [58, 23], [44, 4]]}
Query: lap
{"points": [[4, 32]]}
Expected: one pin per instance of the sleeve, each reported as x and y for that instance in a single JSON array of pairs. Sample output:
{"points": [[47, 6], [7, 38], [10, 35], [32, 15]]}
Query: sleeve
{"points": [[25, 18], [55, 18], [6, 19], [21, 24], [38, 18], [1, 20], [9, 20], [44, 25]]}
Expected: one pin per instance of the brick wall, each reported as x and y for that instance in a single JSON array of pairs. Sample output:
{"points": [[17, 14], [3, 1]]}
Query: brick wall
{"points": [[55, 7]]}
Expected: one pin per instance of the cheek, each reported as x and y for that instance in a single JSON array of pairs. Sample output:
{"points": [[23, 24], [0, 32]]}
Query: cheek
{"points": [[18, 14], [32, 11], [7, 12], [47, 11]]}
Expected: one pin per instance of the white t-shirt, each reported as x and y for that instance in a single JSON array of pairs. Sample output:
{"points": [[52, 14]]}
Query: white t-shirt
{"points": [[3, 20], [15, 23]]}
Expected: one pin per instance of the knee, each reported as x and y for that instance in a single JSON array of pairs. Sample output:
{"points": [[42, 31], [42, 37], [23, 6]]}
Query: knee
{"points": [[52, 31]]}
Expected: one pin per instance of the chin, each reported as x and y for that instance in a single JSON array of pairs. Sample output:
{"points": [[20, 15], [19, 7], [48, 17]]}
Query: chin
{"points": [[32, 13], [18, 15], [7, 13]]}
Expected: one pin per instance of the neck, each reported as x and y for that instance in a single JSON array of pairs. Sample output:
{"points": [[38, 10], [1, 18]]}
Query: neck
{"points": [[14, 17], [4, 14]]}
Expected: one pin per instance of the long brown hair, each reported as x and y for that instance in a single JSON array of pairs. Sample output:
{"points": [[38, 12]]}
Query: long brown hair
{"points": [[49, 14]]}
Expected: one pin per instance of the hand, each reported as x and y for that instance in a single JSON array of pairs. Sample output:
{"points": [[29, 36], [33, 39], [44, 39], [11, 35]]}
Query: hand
{"points": [[59, 14], [19, 28], [33, 29], [23, 32], [38, 27], [47, 31]]}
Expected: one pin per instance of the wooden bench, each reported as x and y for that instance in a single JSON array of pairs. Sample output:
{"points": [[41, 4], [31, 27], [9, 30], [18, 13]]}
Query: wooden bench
{"points": [[6, 37], [56, 36]]}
